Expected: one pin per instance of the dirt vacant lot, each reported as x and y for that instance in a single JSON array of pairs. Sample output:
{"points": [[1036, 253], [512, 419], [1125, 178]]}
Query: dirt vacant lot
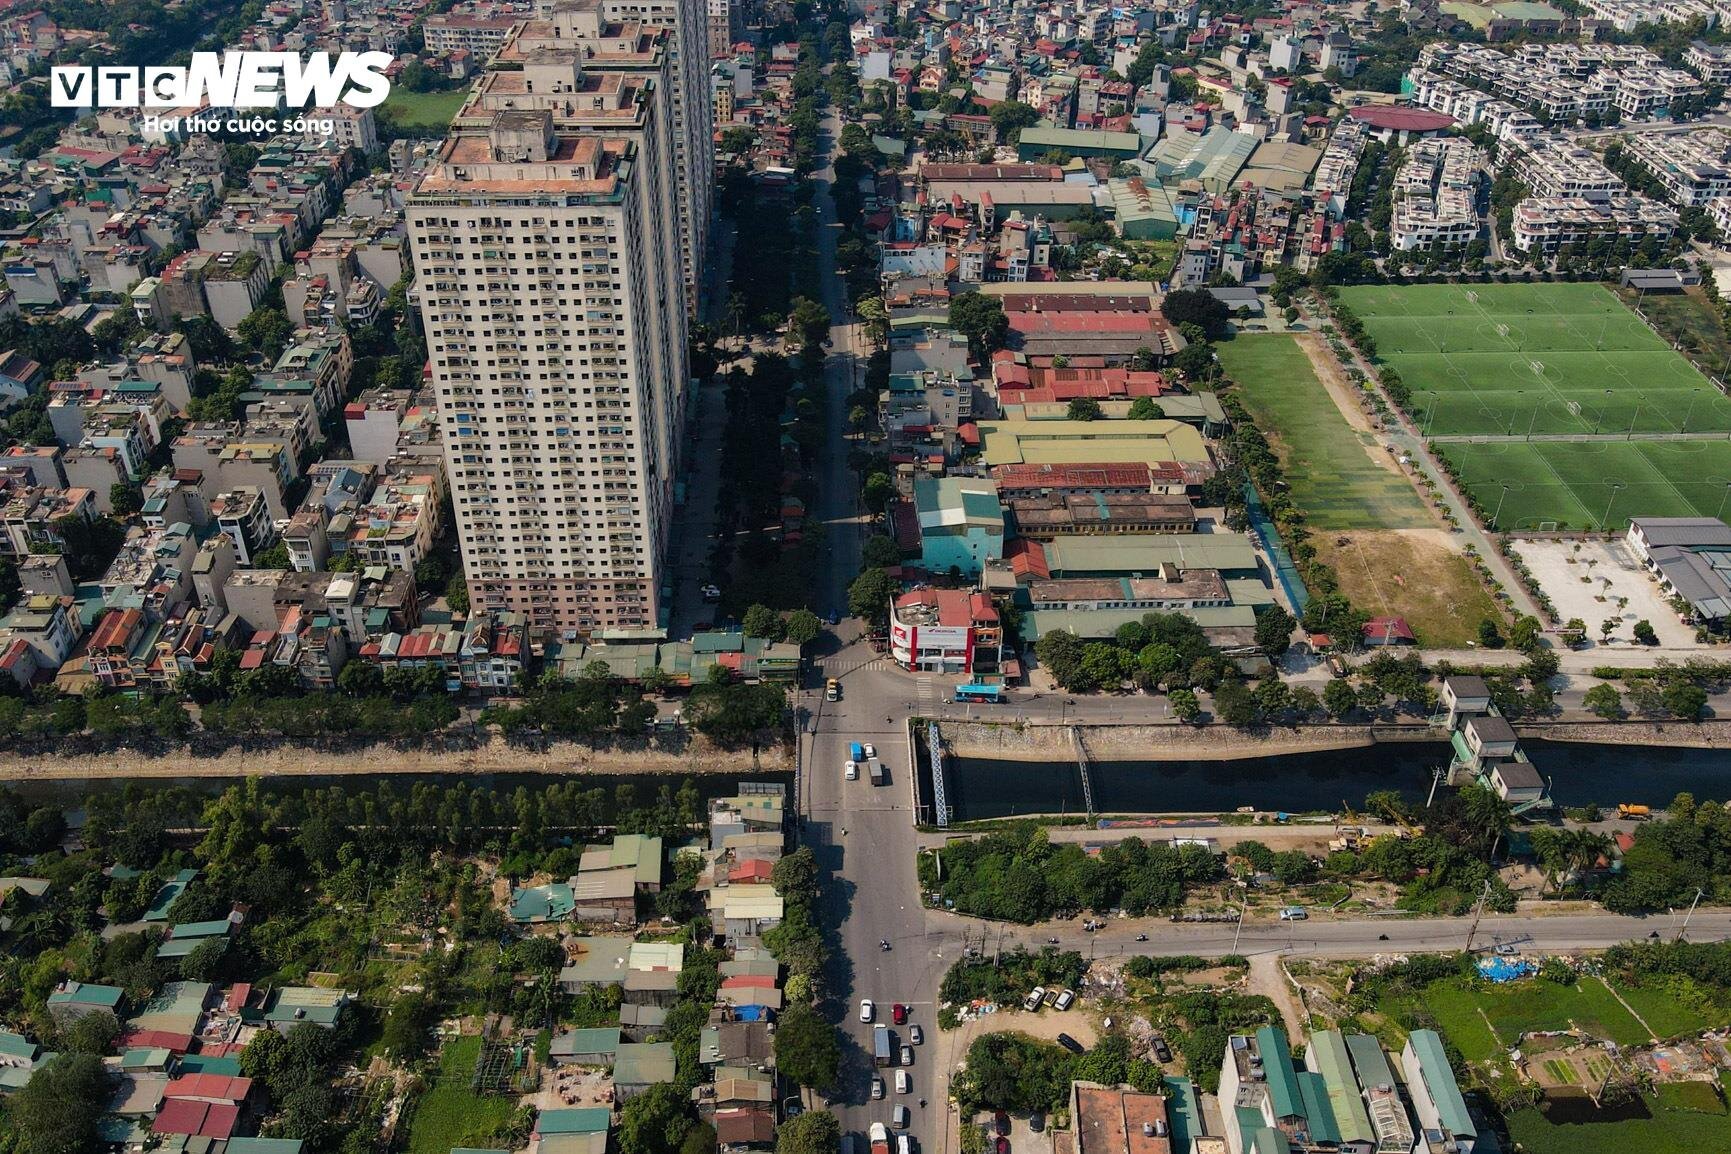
{"points": [[1412, 573]]}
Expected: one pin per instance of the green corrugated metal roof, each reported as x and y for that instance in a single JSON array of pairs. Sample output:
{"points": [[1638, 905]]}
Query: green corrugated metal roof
{"points": [[600, 1040], [1317, 1112], [1267, 1141], [1328, 1054], [1109, 555], [1182, 1114], [1277, 1068], [1439, 1079], [1076, 139], [580, 1120], [1368, 1061]]}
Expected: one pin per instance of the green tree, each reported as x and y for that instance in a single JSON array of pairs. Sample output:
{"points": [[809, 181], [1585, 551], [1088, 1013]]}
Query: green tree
{"points": [[92, 1033], [1185, 706], [803, 627], [869, 595], [807, 1048], [1685, 700], [1234, 704], [1146, 409], [880, 552], [814, 1132], [126, 497], [266, 329], [1644, 632], [762, 621], [1490, 634], [1339, 698], [407, 1029], [878, 491], [1198, 307], [1083, 409], [1274, 627], [655, 1121], [981, 319], [57, 1110], [1195, 361], [1604, 700], [1009, 117]]}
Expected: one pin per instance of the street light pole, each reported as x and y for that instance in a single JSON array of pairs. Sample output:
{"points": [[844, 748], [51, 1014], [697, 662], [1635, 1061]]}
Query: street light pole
{"points": [[1690, 914], [1498, 514], [1605, 525]]}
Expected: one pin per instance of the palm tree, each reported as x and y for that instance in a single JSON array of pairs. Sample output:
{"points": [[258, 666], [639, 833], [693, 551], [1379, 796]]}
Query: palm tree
{"points": [[1487, 815]]}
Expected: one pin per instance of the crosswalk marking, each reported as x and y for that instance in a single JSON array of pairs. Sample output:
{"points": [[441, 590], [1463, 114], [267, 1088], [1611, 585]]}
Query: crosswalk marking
{"points": [[839, 666], [928, 691]]}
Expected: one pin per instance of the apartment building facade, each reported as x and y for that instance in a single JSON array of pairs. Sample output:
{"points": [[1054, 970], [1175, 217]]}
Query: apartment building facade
{"points": [[548, 239]]}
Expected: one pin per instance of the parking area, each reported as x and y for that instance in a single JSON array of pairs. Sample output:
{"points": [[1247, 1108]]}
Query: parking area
{"points": [[1600, 580]]}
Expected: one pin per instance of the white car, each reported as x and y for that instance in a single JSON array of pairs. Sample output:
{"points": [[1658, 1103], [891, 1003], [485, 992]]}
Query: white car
{"points": [[915, 1036], [870, 751], [877, 1088], [1064, 1000], [866, 1010], [852, 771], [904, 1084]]}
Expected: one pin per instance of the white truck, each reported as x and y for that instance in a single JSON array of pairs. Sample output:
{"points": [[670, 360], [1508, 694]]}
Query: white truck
{"points": [[879, 774]]}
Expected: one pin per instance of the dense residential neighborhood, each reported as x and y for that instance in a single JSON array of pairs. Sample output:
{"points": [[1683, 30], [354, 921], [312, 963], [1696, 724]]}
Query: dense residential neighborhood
{"points": [[956, 575]]}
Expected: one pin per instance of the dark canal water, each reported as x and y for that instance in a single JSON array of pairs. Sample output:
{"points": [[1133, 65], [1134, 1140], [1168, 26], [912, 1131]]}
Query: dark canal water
{"points": [[1580, 774]]}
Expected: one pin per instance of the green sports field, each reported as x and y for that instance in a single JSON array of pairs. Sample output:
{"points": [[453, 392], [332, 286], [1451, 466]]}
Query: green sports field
{"points": [[1329, 466], [1491, 365], [1511, 360], [1595, 484]]}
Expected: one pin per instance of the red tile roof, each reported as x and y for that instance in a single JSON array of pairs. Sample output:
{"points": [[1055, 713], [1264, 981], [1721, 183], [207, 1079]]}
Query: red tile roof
{"points": [[184, 1116], [221, 1087], [1027, 559], [156, 1040], [1394, 118]]}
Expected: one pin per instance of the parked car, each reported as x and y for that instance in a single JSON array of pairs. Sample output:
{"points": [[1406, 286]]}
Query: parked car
{"points": [[1064, 1000], [1001, 1122], [877, 1088], [1070, 1044], [1036, 1121], [711, 593], [852, 771], [870, 751], [1293, 914], [1002, 1146], [916, 1036], [899, 1117], [867, 1011], [899, 1014], [904, 1083], [1162, 1051], [1034, 998], [907, 1055]]}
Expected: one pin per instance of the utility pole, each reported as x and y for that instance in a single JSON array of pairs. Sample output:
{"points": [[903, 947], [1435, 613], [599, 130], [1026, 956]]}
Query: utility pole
{"points": [[1478, 912], [1243, 912], [1690, 914]]}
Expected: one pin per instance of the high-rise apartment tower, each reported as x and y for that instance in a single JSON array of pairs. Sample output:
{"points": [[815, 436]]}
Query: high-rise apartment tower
{"points": [[547, 242]]}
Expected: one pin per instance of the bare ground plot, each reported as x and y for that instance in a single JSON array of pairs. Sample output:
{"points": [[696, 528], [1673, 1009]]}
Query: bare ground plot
{"points": [[1417, 574], [1598, 580]]}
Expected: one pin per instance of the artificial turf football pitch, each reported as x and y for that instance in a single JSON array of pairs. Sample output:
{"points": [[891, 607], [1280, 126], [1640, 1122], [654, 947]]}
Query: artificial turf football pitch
{"points": [[1540, 394]]}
